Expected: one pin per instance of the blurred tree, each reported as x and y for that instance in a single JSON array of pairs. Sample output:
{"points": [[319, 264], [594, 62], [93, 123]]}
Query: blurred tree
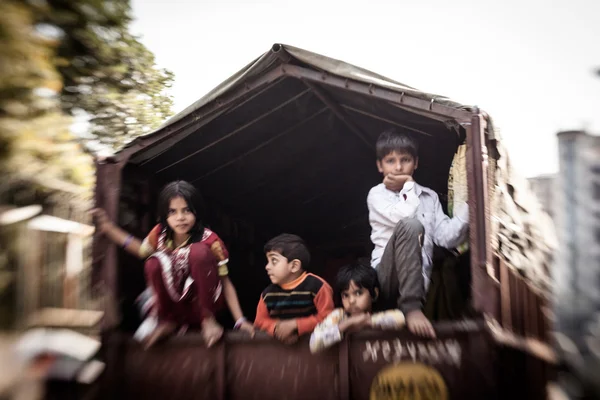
{"points": [[35, 139], [109, 76], [39, 156]]}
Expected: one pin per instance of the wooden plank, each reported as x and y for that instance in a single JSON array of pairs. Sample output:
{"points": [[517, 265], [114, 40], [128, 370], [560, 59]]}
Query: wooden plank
{"points": [[31, 271], [65, 317]]}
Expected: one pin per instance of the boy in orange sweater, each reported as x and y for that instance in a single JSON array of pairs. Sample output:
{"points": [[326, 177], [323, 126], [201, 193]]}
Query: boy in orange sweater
{"points": [[296, 301]]}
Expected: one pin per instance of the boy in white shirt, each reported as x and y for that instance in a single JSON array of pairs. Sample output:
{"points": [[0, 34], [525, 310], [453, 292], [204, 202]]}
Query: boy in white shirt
{"points": [[406, 221]]}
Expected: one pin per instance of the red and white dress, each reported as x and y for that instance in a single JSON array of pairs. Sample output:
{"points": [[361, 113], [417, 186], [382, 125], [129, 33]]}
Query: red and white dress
{"points": [[184, 283]]}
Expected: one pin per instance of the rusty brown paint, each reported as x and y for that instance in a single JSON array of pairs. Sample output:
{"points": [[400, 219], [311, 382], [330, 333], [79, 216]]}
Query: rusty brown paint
{"points": [[488, 184], [476, 285], [522, 307], [463, 360], [535, 310], [475, 144], [473, 361], [263, 369], [485, 294], [220, 373], [344, 362], [104, 252], [506, 318]]}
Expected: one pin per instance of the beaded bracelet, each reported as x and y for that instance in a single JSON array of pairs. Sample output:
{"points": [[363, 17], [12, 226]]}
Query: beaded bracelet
{"points": [[127, 241], [239, 322]]}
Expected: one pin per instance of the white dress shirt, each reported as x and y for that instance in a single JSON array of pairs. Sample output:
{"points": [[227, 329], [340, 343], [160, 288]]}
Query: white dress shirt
{"points": [[387, 208]]}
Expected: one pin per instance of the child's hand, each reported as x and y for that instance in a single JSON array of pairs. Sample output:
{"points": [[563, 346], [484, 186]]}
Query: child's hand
{"points": [[162, 331], [285, 329], [356, 323], [291, 340], [103, 223], [395, 183], [247, 327], [211, 331]]}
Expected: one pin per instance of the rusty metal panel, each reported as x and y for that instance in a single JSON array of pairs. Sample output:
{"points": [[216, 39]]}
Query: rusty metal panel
{"points": [[104, 253], [464, 359], [268, 370], [505, 299], [522, 307], [485, 293], [464, 355], [470, 362], [179, 370]]}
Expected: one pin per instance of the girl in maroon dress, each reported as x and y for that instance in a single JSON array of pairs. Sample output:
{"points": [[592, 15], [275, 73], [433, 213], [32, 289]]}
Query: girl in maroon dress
{"points": [[186, 267]]}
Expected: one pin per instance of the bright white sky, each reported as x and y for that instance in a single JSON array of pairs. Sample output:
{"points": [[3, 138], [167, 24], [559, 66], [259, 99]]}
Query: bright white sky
{"points": [[529, 63]]}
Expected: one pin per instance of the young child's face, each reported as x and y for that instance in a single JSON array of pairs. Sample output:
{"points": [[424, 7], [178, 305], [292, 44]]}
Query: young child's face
{"points": [[397, 163], [179, 217], [356, 300], [279, 269]]}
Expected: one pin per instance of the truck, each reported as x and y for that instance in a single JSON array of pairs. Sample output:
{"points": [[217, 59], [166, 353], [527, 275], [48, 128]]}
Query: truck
{"points": [[287, 145]]}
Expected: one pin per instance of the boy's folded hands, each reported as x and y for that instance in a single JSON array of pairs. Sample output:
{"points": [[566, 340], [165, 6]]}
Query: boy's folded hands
{"points": [[287, 331]]}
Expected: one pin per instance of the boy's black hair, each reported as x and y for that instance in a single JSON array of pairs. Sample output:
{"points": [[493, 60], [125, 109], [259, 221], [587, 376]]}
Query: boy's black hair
{"points": [[193, 199], [390, 140], [364, 276], [291, 247]]}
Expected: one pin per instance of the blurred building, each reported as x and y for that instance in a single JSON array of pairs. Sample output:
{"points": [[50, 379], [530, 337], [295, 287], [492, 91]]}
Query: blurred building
{"points": [[577, 268], [577, 219], [544, 189]]}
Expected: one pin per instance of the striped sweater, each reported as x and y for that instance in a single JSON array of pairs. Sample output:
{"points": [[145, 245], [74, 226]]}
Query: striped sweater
{"points": [[308, 300]]}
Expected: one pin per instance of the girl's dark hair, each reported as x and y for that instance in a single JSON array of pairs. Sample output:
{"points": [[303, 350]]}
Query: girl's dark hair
{"points": [[390, 140], [364, 276], [193, 199]]}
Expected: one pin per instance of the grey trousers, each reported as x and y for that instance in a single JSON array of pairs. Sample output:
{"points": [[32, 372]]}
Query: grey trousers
{"points": [[400, 271]]}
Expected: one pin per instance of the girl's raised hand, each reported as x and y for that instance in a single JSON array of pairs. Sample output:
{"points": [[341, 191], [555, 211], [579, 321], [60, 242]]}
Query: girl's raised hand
{"points": [[103, 223]]}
